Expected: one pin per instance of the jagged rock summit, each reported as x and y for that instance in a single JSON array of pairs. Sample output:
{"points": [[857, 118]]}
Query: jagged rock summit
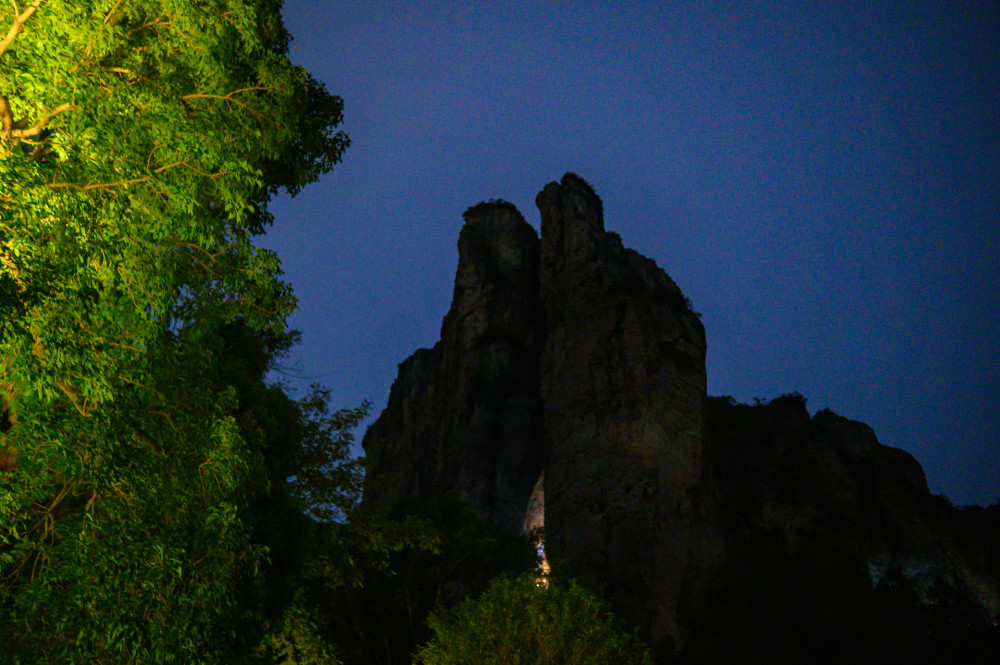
{"points": [[466, 415], [569, 388], [622, 377], [574, 356]]}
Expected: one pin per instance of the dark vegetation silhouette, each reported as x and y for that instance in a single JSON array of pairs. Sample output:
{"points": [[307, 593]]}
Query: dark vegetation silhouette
{"points": [[492, 204], [780, 609], [373, 581]]}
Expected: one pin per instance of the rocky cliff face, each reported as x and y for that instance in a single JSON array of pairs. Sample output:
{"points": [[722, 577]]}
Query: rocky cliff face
{"points": [[834, 544], [579, 357], [466, 414], [571, 367], [825, 489], [623, 393], [823, 482]]}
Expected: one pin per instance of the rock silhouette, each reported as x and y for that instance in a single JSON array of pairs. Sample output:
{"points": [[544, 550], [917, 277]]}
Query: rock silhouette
{"points": [[623, 390], [466, 415], [573, 365]]}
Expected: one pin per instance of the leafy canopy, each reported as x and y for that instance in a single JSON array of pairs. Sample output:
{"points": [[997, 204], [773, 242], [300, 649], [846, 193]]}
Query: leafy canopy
{"points": [[140, 141], [518, 622]]}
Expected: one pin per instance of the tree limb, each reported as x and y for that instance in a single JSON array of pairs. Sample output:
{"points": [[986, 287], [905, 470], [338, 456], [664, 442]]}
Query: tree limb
{"points": [[230, 97], [8, 262], [132, 181], [19, 21], [39, 124], [83, 406], [185, 164], [7, 125], [109, 17], [6, 119], [147, 24], [96, 185]]}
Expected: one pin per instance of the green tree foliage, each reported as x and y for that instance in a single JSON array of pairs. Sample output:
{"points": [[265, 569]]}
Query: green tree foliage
{"points": [[140, 141], [516, 622], [296, 641], [329, 484], [305, 452], [373, 581]]}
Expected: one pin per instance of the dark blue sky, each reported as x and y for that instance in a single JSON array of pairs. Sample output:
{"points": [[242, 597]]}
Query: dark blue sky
{"points": [[821, 179]]}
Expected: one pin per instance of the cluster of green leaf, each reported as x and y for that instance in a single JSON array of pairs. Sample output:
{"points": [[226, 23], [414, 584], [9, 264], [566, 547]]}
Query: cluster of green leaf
{"points": [[373, 581], [518, 622], [142, 457]]}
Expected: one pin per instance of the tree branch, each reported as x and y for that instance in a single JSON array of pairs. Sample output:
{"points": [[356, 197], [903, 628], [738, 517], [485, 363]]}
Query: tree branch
{"points": [[8, 262], [6, 119], [185, 164], [108, 18], [147, 24], [96, 185], [230, 97], [150, 157], [132, 181], [19, 21], [39, 124], [76, 397]]}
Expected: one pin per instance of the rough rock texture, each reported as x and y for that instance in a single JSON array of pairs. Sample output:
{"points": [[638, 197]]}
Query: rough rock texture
{"points": [[465, 415], [823, 489], [824, 479], [623, 388], [613, 408], [569, 389]]}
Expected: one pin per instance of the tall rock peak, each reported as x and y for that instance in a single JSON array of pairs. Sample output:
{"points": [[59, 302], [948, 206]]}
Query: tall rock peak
{"points": [[623, 389], [572, 219], [497, 247], [569, 367], [465, 415]]}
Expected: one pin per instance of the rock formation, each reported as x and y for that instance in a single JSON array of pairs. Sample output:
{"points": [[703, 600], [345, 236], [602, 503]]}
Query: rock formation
{"points": [[823, 482], [573, 369], [623, 390], [833, 539], [466, 414]]}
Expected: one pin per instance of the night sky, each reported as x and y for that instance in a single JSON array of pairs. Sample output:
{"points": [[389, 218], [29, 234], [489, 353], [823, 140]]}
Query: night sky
{"points": [[821, 180]]}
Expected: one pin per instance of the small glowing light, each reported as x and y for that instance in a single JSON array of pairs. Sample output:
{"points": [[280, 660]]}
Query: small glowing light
{"points": [[542, 570], [534, 524]]}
